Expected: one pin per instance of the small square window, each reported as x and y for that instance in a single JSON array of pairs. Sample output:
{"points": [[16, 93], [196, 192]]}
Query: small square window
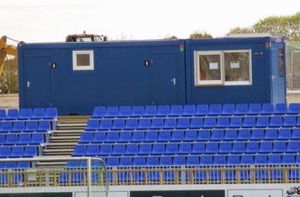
{"points": [[83, 60]]}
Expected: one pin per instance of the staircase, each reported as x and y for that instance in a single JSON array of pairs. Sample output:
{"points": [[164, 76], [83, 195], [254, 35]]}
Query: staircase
{"points": [[62, 140]]}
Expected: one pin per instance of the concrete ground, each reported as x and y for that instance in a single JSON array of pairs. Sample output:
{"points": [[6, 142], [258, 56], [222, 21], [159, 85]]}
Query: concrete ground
{"points": [[12, 100]]}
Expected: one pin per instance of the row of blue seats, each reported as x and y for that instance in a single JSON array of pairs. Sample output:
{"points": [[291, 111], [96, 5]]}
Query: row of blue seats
{"points": [[15, 165], [186, 148], [195, 110], [25, 126], [28, 114], [186, 123], [192, 135], [18, 151], [22, 138]]}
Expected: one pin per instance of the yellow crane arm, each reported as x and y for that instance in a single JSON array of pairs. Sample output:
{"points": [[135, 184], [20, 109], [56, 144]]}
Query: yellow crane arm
{"points": [[5, 50]]}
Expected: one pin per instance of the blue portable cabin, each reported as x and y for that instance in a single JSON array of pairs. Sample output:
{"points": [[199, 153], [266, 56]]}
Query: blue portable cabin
{"points": [[75, 77]]}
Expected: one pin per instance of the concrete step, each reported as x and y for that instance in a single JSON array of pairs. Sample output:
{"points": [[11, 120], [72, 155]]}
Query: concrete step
{"points": [[59, 145]]}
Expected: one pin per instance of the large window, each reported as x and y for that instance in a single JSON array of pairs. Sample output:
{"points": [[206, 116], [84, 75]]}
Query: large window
{"points": [[83, 60], [223, 67]]}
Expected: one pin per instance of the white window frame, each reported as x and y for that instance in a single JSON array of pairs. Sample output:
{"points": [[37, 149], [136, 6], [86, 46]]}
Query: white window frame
{"points": [[83, 52], [198, 82]]}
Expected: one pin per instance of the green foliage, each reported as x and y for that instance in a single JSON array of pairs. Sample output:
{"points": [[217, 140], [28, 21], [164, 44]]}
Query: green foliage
{"points": [[200, 35], [241, 30]]}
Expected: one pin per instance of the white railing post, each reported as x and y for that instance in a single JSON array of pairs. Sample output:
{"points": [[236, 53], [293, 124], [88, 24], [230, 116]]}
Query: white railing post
{"points": [[89, 177]]}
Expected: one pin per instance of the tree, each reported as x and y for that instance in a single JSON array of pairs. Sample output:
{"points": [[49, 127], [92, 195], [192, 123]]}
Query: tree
{"points": [[241, 30], [200, 35]]}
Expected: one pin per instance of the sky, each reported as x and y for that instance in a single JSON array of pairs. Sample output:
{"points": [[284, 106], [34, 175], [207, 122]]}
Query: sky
{"points": [[53, 20]]}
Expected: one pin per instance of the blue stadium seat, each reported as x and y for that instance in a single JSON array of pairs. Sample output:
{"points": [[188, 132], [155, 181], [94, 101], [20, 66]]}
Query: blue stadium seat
{"points": [[132, 149], [238, 147], [170, 123], [289, 121], [274, 159], [73, 164], [118, 124], [111, 111], [230, 135], [86, 137], [139, 161], [217, 135], [2, 114], [202, 110], [257, 134], [280, 108], [276, 121], [171, 149], [220, 160], [192, 160], [112, 137], [138, 136], [225, 148], [298, 121], [185, 148], [209, 122], [131, 124], [44, 126], [189, 110], [137, 111], [92, 150], [157, 123], [164, 136], [150, 110], [112, 161], [79, 150], [293, 147], [23, 165], [235, 122], [4, 151], [288, 159], [204, 135], [30, 151], [262, 121], [233, 160], [183, 123], [6, 127], [12, 114], [119, 149], [38, 113], [212, 148], [163, 110], [279, 147], [247, 159], [249, 121], [191, 135], [206, 160], [177, 136], [228, 109], [11, 139], [222, 122], [198, 148], [266, 147], [252, 147], [124, 111], [92, 125], [176, 110], [144, 123], [254, 108], [51, 113], [244, 134], [267, 108], [2, 139], [152, 161], [105, 124], [31, 126], [24, 138], [241, 109], [261, 159], [10, 165], [196, 123], [18, 126], [98, 137], [99, 112], [25, 114], [145, 149], [125, 136], [158, 149], [151, 136], [105, 149], [37, 138], [271, 134], [295, 134], [294, 108], [284, 134], [179, 161], [215, 109]]}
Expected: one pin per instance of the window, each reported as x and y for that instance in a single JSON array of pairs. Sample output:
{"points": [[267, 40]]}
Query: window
{"points": [[223, 67], [83, 60]]}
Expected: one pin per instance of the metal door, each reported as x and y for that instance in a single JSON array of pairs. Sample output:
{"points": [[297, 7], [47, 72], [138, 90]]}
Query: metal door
{"points": [[36, 82]]}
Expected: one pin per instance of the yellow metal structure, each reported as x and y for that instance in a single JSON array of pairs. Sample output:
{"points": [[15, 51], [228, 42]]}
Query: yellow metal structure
{"points": [[5, 50]]}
